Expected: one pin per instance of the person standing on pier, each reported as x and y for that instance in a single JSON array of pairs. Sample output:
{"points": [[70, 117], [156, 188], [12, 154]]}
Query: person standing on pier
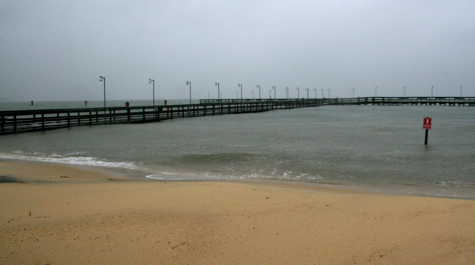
{"points": [[3, 121]]}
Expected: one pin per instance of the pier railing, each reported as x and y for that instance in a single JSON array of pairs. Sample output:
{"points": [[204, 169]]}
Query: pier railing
{"points": [[447, 101], [48, 119], [17, 121]]}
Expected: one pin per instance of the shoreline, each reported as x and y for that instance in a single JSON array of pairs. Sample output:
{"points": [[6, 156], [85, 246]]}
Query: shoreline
{"points": [[55, 220], [139, 174]]}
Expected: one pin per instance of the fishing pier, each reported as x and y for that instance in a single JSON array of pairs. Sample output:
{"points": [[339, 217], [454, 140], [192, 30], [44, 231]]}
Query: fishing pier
{"points": [[19, 121], [423, 101]]}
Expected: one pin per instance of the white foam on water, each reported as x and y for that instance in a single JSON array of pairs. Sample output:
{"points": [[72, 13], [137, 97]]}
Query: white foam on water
{"points": [[162, 175], [154, 176], [70, 160], [286, 174], [168, 173], [453, 183]]}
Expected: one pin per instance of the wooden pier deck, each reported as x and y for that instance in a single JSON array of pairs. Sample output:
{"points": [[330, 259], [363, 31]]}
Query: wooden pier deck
{"points": [[442, 101], [19, 121]]}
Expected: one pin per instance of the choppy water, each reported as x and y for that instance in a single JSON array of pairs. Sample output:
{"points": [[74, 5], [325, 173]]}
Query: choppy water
{"points": [[373, 148]]}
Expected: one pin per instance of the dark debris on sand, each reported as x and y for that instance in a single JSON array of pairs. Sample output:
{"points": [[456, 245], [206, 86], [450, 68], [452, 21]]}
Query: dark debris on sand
{"points": [[9, 179]]}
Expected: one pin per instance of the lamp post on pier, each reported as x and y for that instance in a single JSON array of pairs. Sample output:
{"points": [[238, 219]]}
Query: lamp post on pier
{"points": [[432, 92], [258, 86], [270, 94], [208, 94], [150, 80], [252, 94], [189, 83], [322, 92], [217, 84], [298, 93], [275, 91], [102, 78], [353, 92], [328, 93], [307, 91], [287, 92], [315, 92], [460, 91], [240, 85]]}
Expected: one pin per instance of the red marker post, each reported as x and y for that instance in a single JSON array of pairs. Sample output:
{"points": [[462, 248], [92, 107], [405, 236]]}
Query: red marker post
{"points": [[427, 125]]}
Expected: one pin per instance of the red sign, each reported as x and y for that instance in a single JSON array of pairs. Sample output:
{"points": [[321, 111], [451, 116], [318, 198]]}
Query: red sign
{"points": [[427, 123]]}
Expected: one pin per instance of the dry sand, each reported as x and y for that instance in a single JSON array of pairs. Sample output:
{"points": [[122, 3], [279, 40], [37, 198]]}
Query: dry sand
{"points": [[65, 215]]}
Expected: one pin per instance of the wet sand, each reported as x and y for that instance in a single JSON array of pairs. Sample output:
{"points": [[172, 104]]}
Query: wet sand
{"points": [[52, 214]]}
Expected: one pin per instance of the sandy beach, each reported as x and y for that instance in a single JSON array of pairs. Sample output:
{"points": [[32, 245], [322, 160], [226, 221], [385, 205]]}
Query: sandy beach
{"points": [[51, 214]]}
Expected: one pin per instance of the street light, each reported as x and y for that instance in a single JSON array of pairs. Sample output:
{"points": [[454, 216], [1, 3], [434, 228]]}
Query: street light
{"points": [[275, 91], [328, 93], [353, 92], [287, 92], [252, 94], [432, 92], [102, 78], [240, 85], [208, 94], [298, 92], [217, 84], [189, 83], [460, 91], [307, 91], [258, 86], [153, 81], [315, 92]]}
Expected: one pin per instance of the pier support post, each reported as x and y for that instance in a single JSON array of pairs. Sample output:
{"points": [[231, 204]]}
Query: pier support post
{"points": [[427, 137], [427, 125]]}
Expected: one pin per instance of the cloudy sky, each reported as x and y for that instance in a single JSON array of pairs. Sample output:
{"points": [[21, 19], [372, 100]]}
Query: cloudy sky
{"points": [[56, 50]]}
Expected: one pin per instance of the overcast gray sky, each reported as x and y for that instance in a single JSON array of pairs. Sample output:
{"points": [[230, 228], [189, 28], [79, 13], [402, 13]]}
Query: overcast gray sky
{"points": [[56, 50]]}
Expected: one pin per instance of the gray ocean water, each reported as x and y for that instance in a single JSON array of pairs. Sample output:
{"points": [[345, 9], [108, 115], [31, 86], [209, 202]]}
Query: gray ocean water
{"points": [[369, 148]]}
